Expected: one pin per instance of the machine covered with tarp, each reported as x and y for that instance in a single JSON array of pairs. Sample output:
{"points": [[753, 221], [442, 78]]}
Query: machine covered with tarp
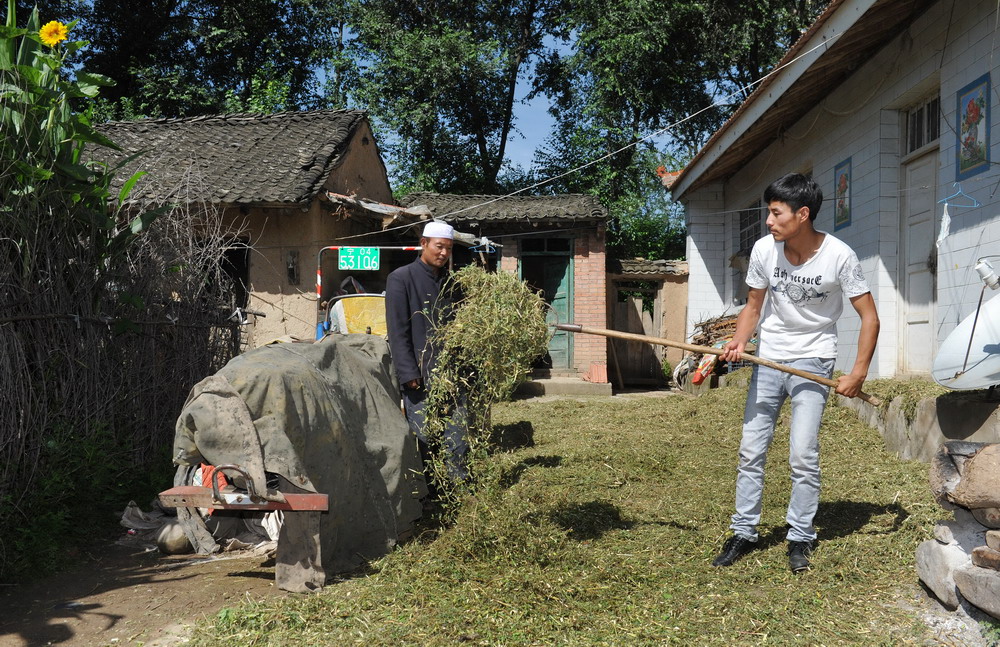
{"points": [[297, 418]]}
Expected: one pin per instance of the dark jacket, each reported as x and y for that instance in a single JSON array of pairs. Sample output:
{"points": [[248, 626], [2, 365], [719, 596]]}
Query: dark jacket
{"points": [[412, 309]]}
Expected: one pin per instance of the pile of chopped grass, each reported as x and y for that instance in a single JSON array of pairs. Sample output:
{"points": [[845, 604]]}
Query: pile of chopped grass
{"points": [[598, 527], [497, 331], [486, 351], [911, 391]]}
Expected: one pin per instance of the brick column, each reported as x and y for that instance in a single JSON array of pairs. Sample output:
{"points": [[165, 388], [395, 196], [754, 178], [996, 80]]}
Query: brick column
{"points": [[508, 257], [590, 293]]}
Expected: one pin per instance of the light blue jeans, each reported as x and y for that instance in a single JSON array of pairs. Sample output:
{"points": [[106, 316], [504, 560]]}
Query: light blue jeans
{"points": [[768, 390]]}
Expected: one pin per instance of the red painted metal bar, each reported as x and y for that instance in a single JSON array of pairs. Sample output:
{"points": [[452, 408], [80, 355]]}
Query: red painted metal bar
{"points": [[196, 496], [319, 262]]}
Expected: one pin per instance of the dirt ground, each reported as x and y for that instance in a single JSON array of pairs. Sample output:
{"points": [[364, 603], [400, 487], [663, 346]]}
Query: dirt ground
{"points": [[127, 596]]}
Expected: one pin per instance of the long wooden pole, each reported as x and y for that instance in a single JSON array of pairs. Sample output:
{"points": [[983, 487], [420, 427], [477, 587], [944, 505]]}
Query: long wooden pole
{"points": [[660, 341]]}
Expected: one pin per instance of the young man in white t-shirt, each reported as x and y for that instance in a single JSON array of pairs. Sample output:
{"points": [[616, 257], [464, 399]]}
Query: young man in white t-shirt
{"points": [[798, 278]]}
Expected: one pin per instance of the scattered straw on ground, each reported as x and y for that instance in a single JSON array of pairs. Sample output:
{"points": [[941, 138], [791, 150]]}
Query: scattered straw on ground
{"points": [[597, 526]]}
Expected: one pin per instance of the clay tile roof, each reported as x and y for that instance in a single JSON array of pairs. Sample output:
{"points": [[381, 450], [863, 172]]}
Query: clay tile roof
{"points": [[872, 27], [237, 159], [546, 208], [636, 266]]}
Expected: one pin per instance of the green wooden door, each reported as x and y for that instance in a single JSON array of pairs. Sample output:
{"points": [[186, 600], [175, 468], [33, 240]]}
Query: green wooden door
{"points": [[547, 266], [558, 286]]}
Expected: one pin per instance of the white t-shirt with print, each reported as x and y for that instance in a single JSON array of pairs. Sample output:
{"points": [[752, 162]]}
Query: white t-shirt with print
{"points": [[803, 302]]}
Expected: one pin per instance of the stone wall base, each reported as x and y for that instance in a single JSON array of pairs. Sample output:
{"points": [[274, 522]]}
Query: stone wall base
{"points": [[944, 565], [934, 421]]}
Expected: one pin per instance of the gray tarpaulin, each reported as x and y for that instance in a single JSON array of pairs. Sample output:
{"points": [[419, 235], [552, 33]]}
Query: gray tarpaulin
{"points": [[324, 417]]}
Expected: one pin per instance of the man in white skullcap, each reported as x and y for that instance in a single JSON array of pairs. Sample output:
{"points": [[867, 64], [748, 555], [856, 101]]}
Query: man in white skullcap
{"points": [[414, 305]]}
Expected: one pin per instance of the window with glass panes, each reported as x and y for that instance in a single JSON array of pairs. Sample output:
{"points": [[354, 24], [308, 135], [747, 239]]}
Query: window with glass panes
{"points": [[923, 124], [750, 222], [750, 227]]}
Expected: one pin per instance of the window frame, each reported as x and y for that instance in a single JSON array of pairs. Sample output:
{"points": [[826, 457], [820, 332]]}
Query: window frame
{"points": [[748, 230], [921, 125]]}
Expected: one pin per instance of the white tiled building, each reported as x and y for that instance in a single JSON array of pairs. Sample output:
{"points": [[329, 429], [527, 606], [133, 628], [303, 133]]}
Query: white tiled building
{"points": [[874, 90]]}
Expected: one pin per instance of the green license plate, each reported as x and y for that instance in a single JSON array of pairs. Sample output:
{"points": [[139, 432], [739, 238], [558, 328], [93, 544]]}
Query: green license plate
{"points": [[358, 258]]}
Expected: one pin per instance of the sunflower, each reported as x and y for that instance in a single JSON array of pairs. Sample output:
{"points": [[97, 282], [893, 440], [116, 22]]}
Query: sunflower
{"points": [[53, 33]]}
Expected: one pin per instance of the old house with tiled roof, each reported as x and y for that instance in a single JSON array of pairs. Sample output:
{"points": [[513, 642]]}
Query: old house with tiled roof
{"points": [[275, 179], [888, 104], [556, 244]]}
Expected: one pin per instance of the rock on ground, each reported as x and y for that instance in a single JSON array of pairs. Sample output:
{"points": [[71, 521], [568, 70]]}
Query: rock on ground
{"points": [[936, 566], [963, 530], [981, 587]]}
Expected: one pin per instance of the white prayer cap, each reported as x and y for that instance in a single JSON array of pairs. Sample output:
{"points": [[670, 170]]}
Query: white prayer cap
{"points": [[438, 229]]}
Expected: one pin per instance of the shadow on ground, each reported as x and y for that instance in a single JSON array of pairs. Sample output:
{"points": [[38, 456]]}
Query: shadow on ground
{"points": [[590, 520], [509, 438], [513, 475], [835, 519], [842, 518], [125, 595]]}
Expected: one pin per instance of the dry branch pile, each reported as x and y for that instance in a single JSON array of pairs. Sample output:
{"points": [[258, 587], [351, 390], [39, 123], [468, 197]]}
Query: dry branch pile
{"points": [[107, 317], [96, 364], [712, 330]]}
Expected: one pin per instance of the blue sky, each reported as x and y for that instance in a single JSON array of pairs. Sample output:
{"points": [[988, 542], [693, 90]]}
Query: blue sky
{"points": [[534, 124]]}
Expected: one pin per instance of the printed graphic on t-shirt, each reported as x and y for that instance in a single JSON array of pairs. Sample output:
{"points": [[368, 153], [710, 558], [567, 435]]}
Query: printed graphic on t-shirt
{"points": [[800, 290], [855, 284]]}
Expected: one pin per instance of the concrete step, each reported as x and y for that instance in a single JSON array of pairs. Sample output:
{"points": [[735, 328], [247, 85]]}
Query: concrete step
{"points": [[562, 386]]}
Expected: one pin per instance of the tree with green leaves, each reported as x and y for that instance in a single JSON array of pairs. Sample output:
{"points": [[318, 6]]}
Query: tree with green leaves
{"points": [[441, 76], [752, 36], [635, 68], [640, 66], [440, 79], [65, 11], [173, 58], [643, 222]]}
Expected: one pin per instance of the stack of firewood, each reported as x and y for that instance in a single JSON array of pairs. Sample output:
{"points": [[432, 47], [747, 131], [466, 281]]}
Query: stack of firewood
{"points": [[713, 330]]}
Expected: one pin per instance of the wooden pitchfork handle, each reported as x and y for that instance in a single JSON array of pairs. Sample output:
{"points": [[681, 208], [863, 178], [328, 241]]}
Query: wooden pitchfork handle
{"points": [[660, 341]]}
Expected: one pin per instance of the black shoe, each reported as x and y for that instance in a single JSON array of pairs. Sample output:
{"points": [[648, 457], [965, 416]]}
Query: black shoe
{"points": [[735, 547], [798, 555]]}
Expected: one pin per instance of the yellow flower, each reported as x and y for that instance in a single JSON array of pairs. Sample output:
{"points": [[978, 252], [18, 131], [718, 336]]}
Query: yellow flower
{"points": [[53, 33]]}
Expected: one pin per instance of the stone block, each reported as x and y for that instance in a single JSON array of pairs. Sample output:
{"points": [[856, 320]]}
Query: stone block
{"points": [[989, 517], [936, 566], [966, 518], [993, 539], [980, 587], [986, 557], [980, 484], [963, 531]]}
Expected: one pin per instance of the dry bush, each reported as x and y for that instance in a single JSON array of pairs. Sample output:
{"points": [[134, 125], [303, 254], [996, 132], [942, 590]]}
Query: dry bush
{"points": [[108, 315], [96, 365]]}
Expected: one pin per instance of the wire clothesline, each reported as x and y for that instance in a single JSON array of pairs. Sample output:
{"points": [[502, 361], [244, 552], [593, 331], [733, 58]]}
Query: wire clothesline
{"points": [[720, 212], [744, 90]]}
